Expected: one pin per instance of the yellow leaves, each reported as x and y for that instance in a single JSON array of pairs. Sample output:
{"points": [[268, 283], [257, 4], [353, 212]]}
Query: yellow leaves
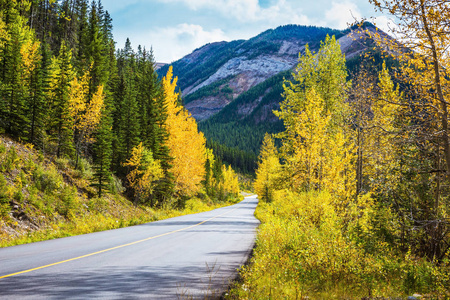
{"points": [[91, 118], [85, 113], [79, 88], [386, 107], [317, 149], [316, 156], [268, 171], [186, 143], [29, 51], [230, 182], [144, 171], [171, 97], [4, 35], [378, 136]]}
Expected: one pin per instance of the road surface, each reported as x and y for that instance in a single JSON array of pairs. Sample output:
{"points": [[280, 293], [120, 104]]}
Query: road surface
{"points": [[186, 257]]}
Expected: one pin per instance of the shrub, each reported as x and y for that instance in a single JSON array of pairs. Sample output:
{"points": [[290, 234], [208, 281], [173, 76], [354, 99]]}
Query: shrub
{"points": [[11, 161], [68, 201], [62, 163], [115, 185], [4, 201], [47, 180], [84, 169], [303, 249]]}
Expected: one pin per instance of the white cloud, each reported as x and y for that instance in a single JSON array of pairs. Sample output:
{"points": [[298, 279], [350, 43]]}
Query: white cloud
{"points": [[175, 42], [154, 22], [341, 14], [248, 11]]}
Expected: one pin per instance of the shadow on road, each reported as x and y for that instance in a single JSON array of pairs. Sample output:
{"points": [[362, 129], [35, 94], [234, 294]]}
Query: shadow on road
{"points": [[118, 283]]}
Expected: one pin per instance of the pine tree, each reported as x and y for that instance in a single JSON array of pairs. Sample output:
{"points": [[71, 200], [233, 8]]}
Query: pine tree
{"points": [[97, 52], [19, 59], [60, 120], [36, 102], [103, 152], [83, 36]]}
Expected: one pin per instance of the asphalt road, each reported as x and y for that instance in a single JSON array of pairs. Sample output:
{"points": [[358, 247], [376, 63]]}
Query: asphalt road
{"points": [[192, 256]]}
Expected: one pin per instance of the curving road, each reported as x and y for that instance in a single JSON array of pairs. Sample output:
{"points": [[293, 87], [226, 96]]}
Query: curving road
{"points": [[192, 256]]}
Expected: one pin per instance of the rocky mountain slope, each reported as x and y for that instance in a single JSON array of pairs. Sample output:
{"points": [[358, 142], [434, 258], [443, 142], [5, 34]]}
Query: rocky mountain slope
{"points": [[216, 74], [232, 88]]}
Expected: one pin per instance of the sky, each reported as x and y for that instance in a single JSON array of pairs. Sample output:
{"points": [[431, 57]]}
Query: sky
{"points": [[175, 28]]}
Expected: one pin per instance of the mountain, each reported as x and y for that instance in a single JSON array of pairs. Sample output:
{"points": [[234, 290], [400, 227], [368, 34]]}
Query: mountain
{"points": [[233, 87], [214, 75]]}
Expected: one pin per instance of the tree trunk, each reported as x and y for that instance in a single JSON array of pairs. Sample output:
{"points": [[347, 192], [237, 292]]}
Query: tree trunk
{"points": [[438, 86]]}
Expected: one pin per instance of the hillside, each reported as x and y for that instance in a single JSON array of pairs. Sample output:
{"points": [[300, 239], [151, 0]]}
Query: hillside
{"points": [[44, 197], [49, 195], [216, 74]]}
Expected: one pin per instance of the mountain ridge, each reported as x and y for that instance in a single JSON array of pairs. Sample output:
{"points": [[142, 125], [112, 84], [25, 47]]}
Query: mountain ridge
{"points": [[216, 74], [232, 88], [241, 64]]}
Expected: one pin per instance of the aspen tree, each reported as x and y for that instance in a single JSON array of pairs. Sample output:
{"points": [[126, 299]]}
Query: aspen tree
{"points": [[268, 171], [186, 143], [145, 170], [422, 27], [317, 148]]}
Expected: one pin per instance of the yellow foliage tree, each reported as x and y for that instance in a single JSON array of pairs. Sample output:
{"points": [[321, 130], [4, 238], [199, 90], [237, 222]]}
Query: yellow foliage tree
{"points": [[186, 143], [230, 182], [84, 112], [268, 171], [4, 36], [317, 149], [29, 51], [90, 119], [381, 158], [145, 171], [423, 27], [316, 157]]}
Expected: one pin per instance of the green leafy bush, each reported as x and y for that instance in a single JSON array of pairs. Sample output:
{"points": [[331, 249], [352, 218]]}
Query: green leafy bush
{"points": [[4, 201], [47, 180], [68, 201], [10, 161]]}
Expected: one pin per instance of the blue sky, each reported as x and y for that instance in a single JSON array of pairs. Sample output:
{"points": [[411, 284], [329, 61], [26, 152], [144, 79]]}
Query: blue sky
{"points": [[174, 28]]}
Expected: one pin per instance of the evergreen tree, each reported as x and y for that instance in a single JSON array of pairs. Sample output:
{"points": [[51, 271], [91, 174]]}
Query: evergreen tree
{"points": [[60, 120], [103, 152], [37, 100], [13, 71], [97, 52], [83, 35]]}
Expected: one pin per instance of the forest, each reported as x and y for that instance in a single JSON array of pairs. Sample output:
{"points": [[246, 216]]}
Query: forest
{"points": [[355, 198], [67, 91]]}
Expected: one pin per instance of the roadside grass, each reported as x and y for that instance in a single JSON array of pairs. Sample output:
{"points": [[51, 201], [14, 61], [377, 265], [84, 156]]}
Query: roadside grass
{"points": [[45, 198], [94, 222], [306, 250]]}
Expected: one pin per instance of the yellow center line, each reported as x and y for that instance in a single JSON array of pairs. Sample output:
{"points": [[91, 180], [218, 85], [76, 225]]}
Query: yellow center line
{"points": [[114, 248]]}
